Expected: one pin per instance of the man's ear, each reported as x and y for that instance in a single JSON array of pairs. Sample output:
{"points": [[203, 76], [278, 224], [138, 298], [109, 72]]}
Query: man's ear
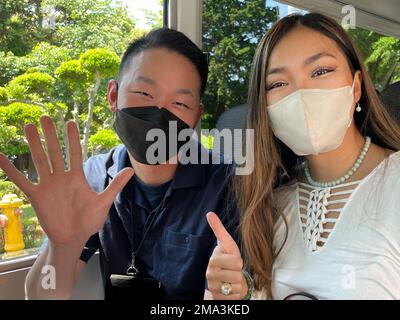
{"points": [[201, 108], [112, 94], [201, 111]]}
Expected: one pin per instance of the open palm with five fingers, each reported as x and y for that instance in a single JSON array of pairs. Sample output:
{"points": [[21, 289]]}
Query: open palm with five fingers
{"points": [[68, 210]]}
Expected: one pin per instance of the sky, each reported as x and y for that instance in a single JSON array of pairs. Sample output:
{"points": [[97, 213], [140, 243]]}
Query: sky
{"points": [[136, 8]]}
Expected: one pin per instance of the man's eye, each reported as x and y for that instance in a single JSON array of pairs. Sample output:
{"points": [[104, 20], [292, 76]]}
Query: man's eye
{"points": [[181, 105], [321, 72], [143, 93], [275, 85]]}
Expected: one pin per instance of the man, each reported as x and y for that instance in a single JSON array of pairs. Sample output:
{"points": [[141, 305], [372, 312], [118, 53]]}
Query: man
{"points": [[147, 219]]}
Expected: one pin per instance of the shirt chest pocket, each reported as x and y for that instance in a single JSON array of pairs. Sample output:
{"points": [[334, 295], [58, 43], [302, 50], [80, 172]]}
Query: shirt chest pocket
{"points": [[185, 259]]}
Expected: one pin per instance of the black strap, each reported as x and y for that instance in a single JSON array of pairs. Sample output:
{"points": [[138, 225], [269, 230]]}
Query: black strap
{"points": [[303, 294], [109, 163], [132, 270]]}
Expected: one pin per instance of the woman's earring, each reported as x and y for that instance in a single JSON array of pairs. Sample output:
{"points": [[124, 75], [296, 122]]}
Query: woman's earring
{"points": [[358, 109]]}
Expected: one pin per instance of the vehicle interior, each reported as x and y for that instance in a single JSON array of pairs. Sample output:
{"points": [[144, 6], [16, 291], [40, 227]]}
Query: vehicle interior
{"points": [[382, 17]]}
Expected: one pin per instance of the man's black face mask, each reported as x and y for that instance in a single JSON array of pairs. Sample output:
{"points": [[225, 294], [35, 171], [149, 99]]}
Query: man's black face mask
{"points": [[133, 123]]}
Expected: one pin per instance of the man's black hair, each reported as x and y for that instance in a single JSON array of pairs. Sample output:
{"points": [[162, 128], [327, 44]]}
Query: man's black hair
{"points": [[171, 40]]}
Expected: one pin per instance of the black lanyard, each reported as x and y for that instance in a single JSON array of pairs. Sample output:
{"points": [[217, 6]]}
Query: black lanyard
{"points": [[132, 269]]}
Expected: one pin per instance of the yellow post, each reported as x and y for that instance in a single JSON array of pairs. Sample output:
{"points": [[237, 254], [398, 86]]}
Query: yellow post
{"points": [[13, 237]]}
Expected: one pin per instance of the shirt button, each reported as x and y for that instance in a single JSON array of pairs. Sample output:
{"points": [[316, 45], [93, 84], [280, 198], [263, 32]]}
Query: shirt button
{"points": [[186, 239]]}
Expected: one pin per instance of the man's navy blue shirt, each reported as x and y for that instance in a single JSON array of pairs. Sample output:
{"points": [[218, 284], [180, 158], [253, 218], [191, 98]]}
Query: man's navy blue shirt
{"points": [[180, 242]]}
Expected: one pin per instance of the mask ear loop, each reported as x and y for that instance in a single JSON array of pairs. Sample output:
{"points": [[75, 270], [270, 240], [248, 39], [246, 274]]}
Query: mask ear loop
{"points": [[116, 97], [352, 86]]}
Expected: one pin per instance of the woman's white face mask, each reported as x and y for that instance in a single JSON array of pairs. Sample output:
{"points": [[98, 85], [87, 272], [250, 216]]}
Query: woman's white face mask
{"points": [[313, 121]]}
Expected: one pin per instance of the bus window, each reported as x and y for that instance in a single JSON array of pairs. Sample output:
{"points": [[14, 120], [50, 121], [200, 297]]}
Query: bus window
{"points": [[232, 29], [48, 54]]}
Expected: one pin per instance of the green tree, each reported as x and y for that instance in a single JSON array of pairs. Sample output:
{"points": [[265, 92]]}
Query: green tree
{"points": [[3, 94], [72, 49], [384, 62], [33, 89], [100, 64], [74, 78], [13, 119], [45, 58], [33, 86], [231, 31], [103, 140], [89, 24], [10, 66], [78, 25], [11, 141], [21, 25], [381, 55], [155, 19]]}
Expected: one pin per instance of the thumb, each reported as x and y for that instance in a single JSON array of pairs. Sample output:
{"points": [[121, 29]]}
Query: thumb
{"points": [[118, 183], [224, 238]]}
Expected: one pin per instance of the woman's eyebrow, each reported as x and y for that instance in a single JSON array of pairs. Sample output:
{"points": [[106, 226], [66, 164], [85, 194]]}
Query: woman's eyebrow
{"points": [[276, 70], [318, 56], [308, 61]]}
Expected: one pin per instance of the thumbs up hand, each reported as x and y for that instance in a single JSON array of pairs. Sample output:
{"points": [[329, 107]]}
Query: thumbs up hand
{"points": [[224, 272]]}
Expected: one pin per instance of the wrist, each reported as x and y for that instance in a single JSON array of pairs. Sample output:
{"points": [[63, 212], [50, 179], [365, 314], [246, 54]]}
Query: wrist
{"points": [[71, 249]]}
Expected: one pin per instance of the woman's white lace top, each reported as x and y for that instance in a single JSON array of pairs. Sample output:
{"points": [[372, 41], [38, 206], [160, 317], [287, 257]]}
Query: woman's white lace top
{"points": [[320, 210], [343, 242]]}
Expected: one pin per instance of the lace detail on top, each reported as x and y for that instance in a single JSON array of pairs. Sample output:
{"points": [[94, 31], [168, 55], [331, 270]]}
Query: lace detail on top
{"points": [[320, 209]]}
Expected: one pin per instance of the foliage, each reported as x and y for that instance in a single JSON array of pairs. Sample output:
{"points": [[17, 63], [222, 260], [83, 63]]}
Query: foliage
{"points": [[57, 51], [20, 114], [45, 58], [13, 119], [381, 55], [10, 66], [231, 31], [32, 231], [384, 62], [71, 82], [72, 24], [11, 142], [31, 85], [101, 62], [7, 187], [72, 72], [103, 140], [155, 19], [3, 94], [207, 141], [88, 24], [21, 25]]}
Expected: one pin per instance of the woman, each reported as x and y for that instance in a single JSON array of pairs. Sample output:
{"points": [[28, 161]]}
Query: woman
{"points": [[332, 231]]}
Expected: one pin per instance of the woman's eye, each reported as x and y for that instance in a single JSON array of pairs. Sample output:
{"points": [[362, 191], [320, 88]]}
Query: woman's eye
{"points": [[181, 105], [321, 72], [275, 85]]}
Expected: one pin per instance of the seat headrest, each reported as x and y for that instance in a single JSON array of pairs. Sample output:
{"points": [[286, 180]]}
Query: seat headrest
{"points": [[390, 97]]}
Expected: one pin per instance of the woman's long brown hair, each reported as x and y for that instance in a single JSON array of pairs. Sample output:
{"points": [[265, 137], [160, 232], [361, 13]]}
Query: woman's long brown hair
{"points": [[273, 161]]}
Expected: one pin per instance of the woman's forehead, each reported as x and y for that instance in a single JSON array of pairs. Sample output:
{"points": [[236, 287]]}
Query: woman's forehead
{"points": [[299, 44]]}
